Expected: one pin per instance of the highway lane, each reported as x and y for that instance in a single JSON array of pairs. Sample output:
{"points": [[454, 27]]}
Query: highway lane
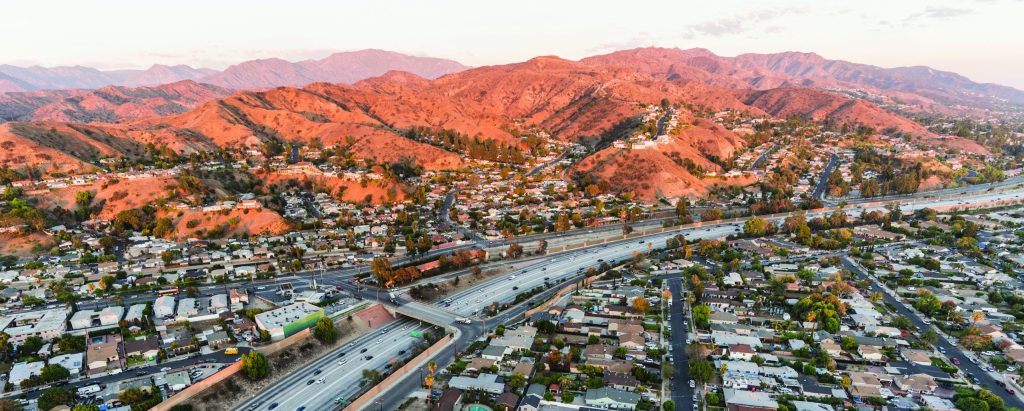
{"points": [[987, 380], [341, 380], [503, 290]]}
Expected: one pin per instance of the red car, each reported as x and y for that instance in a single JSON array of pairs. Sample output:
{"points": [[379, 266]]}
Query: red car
{"points": [[956, 361]]}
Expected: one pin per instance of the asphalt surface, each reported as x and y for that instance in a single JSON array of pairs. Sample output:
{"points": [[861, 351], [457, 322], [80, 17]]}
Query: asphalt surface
{"points": [[682, 394], [819, 190], [213, 359], [341, 370], [951, 350]]}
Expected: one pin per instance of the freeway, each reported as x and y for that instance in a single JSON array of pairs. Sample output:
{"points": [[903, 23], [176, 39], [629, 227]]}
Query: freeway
{"points": [[503, 290], [987, 380], [339, 373]]}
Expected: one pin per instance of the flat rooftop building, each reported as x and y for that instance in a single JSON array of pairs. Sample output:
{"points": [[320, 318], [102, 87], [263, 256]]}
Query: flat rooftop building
{"points": [[91, 318], [288, 320], [47, 324]]}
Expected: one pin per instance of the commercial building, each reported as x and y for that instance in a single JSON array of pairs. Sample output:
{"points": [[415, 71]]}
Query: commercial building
{"points": [[288, 320]]}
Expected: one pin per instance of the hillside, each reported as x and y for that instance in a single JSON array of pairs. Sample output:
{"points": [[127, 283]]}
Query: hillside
{"points": [[819, 105], [108, 104], [792, 69]]}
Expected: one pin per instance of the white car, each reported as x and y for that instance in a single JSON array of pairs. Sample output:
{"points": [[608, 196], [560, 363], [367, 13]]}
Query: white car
{"points": [[165, 369]]}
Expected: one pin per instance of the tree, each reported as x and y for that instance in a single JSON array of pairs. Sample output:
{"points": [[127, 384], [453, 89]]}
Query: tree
{"points": [[972, 404], [54, 397], [568, 396], [593, 339], [325, 331], [701, 370], [994, 402], [381, 268], [82, 407], [640, 305], [701, 314], [132, 396], [255, 365], [517, 381], [756, 227], [11, 405], [54, 372], [668, 405], [514, 251]]}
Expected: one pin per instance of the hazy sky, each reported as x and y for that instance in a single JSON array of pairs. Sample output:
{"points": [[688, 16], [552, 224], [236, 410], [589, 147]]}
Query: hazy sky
{"points": [[982, 39]]}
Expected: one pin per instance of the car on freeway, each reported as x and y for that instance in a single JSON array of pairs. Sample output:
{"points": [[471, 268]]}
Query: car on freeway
{"points": [[342, 362], [318, 371], [368, 357], [272, 406], [310, 382], [362, 350]]}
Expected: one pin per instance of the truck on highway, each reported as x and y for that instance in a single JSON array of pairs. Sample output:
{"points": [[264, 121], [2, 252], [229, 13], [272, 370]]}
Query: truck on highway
{"points": [[463, 320], [392, 296], [89, 389]]}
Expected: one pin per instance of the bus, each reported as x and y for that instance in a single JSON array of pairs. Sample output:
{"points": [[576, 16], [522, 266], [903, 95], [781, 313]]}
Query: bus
{"points": [[169, 291], [231, 351]]}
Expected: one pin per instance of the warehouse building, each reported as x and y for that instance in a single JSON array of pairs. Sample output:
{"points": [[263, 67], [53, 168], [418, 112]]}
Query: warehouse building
{"points": [[288, 320]]}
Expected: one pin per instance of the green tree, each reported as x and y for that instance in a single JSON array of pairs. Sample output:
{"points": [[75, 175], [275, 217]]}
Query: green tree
{"points": [[756, 227], [517, 381], [133, 396], [701, 314], [54, 397], [325, 331], [86, 407], [668, 405], [972, 404], [994, 402], [568, 396], [701, 370], [255, 365], [54, 372]]}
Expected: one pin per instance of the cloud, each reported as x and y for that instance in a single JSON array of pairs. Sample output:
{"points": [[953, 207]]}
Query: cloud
{"points": [[736, 25], [938, 13]]}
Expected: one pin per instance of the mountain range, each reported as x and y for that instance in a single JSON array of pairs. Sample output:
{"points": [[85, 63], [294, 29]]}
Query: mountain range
{"points": [[345, 67], [592, 101]]}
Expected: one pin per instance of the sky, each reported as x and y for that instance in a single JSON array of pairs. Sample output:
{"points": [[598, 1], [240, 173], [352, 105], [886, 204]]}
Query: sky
{"points": [[981, 39]]}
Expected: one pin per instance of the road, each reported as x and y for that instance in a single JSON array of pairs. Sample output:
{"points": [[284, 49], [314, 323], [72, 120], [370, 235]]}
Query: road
{"points": [[986, 379], [819, 189], [682, 394], [341, 370], [214, 359], [566, 265], [760, 159]]}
